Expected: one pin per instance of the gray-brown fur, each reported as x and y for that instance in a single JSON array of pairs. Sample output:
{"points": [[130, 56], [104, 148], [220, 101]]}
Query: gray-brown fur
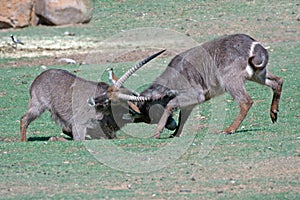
{"points": [[65, 96], [211, 69], [83, 108]]}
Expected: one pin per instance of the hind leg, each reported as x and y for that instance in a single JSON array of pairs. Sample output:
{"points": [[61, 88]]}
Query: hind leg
{"points": [[265, 77], [32, 113], [275, 83]]}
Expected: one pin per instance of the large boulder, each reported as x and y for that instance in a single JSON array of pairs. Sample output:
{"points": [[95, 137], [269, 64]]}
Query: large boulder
{"points": [[16, 13], [60, 12]]}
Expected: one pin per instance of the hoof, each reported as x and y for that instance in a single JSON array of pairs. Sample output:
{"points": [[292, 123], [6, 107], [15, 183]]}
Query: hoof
{"points": [[273, 115], [55, 139], [156, 136], [229, 131]]}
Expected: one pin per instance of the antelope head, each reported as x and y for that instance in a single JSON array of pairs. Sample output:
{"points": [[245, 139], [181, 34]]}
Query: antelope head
{"points": [[119, 95]]}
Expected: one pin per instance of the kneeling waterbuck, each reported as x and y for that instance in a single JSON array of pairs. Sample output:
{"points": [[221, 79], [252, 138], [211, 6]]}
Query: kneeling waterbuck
{"points": [[65, 96]]}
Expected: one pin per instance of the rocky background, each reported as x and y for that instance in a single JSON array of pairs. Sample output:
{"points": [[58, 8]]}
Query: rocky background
{"points": [[22, 13]]}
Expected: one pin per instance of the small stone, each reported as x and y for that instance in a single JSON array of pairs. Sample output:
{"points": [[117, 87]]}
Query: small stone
{"points": [[67, 33], [185, 190], [43, 67], [67, 60], [283, 69], [139, 14]]}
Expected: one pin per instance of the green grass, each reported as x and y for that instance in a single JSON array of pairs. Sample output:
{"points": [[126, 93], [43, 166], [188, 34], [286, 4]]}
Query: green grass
{"points": [[202, 20], [261, 161]]}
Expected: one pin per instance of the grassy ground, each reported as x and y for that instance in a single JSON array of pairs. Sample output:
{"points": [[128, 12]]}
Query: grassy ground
{"points": [[261, 161]]}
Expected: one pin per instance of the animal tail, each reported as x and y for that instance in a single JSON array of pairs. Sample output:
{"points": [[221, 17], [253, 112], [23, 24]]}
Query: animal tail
{"points": [[258, 58]]}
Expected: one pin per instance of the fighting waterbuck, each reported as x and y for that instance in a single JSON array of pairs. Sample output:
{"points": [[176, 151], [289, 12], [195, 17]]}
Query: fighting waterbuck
{"points": [[65, 96], [206, 71], [211, 69]]}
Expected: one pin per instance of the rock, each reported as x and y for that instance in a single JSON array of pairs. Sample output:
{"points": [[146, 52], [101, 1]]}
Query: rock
{"points": [[67, 60], [16, 13], [60, 12]]}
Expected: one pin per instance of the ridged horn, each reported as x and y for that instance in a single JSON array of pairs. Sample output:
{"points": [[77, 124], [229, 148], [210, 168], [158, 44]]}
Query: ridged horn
{"points": [[133, 98], [122, 80]]}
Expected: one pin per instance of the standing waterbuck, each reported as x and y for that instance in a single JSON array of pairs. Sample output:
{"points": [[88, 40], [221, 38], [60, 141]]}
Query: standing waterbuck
{"points": [[65, 96], [204, 72]]}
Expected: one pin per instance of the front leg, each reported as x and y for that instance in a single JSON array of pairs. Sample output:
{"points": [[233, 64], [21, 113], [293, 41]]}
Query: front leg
{"points": [[163, 120], [79, 132], [183, 116], [244, 108]]}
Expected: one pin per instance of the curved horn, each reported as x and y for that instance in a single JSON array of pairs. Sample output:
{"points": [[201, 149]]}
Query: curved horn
{"points": [[133, 98], [122, 80]]}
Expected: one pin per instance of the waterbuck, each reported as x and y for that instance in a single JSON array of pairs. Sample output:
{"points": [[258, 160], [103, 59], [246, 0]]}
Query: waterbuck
{"points": [[204, 72], [65, 96]]}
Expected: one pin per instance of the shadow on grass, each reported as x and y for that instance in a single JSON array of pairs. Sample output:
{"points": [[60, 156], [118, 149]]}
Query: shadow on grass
{"points": [[44, 138], [250, 130], [164, 137]]}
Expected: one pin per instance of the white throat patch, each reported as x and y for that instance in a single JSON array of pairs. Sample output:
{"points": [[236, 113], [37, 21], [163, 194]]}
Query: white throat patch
{"points": [[249, 71]]}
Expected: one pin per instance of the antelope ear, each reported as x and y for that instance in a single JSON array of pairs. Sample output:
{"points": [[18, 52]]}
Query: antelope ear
{"points": [[172, 93], [134, 108]]}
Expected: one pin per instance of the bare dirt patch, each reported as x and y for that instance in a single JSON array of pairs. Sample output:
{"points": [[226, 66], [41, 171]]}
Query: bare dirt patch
{"points": [[124, 47], [82, 58]]}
